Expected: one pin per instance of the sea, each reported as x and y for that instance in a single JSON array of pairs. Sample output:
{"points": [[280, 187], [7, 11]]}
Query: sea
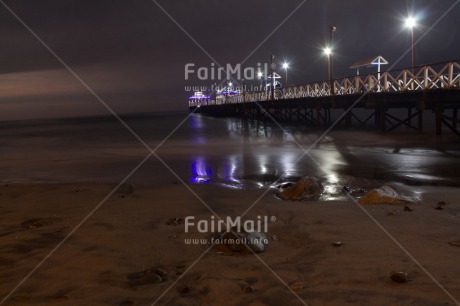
{"points": [[167, 148]]}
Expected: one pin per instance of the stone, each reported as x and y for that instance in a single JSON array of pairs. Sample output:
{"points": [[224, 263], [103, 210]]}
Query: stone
{"points": [[150, 276], [307, 187], [392, 213], [40, 222], [337, 244], [442, 203], [183, 289], [239, 241], [384, 194], [399, 277], [408, 208], [175, 221], [439, 207], [455, 244], [126, 189], [296, 286], [247, 288]]}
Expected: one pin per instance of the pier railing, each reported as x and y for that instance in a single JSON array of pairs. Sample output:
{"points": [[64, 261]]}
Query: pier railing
{"points": [[429, 77]]}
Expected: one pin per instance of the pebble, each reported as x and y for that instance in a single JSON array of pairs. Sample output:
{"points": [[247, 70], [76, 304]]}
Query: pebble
{"points": [[400, 277], [439, 207], [296, 286], [40, 222], [184, 289], [248, 289], [126, 189], [337, 244], [160, 272], [175, 221], [408, 208], [392, 213], [442, 203], [455, 243], [150, 276]]}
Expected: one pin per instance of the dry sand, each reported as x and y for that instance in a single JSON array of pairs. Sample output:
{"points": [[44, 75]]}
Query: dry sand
{"points": [[129, 234]]}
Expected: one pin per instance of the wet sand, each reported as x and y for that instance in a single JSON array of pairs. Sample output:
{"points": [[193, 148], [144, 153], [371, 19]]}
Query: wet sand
{"points": [[54, 173], [103, 261]]}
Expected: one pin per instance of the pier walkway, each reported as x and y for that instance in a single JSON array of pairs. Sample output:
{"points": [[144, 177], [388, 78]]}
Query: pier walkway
{"points": [[434, 88]]}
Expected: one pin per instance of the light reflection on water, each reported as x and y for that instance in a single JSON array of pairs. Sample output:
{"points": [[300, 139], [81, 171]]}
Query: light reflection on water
{"points": [[258, 154], [232, 173], [266, 158], [232, 152]]}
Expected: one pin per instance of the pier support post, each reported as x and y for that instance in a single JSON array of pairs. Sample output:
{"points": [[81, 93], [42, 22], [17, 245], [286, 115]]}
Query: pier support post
{"points": [[420, 121], [455, 117], [409, 115], [381, 118], [438, 111], [348, 119]]}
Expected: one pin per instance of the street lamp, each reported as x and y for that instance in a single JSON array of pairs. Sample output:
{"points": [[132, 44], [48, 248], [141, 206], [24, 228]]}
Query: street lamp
{"points": [[411, 23], [286, 66], [328, 53], [272, 87], [260, 74]]}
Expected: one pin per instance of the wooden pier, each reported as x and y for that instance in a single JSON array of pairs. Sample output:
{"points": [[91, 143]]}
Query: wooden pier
{"points": [[412, 91]]}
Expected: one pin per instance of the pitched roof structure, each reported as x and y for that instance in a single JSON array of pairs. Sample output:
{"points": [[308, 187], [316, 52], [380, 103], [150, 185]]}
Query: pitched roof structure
{"points": [[368, 62]]}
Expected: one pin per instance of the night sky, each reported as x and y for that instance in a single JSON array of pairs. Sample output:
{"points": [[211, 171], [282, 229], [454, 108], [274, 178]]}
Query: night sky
{"points": [[133, 55]]}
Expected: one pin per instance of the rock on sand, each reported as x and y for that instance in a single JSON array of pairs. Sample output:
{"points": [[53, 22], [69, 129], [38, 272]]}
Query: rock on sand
{"points": [[384, 194], [307, 187]]}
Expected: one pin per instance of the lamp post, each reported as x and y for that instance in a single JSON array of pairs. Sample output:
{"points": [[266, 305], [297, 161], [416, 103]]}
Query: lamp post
{"points": [[411, 23], [273, 77], [332, 29], [228, 91], [286, 66], [260, 74], [328, 52]]}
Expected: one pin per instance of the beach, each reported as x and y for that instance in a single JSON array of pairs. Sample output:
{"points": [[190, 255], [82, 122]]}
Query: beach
{"points": [[89, 241]]}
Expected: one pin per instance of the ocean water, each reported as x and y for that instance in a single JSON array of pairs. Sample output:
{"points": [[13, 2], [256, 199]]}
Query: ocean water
{"points": [[229, 151]]}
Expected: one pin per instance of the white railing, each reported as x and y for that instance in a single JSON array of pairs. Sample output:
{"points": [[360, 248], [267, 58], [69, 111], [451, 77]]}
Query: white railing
{"points": [[432, 77]]}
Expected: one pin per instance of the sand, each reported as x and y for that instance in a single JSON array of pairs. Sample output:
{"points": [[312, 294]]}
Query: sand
{"points": [[103, 260]]}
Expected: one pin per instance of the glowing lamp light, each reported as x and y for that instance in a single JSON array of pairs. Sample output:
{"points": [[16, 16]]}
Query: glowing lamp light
{"points": [[411, 22], [285, 65], [259, 74], [230, 84], [327, 51]]}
